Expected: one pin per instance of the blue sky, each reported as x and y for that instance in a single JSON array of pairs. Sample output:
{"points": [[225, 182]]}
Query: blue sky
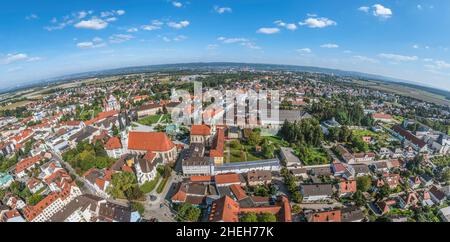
{"points": [[406, 39]]}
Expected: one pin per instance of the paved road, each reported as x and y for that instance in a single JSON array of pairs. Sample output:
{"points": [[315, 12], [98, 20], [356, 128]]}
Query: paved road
{"points": [[88, 188], [153, 209]]}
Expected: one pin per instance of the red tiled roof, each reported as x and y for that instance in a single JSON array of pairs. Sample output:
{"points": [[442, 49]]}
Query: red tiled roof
{"points": [[201, 178], [227, 178], [113, 143], [27, 162], [219, 144], [347, 186], [101, 116], [149, 141], [31, 212], [224, 209], [381, 116], [200, 130], [238, 192], [326, 216], [407, 135]]}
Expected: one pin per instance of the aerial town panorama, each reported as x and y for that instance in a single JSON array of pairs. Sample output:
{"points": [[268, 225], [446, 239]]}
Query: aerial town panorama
{"points": [[308, 112]]}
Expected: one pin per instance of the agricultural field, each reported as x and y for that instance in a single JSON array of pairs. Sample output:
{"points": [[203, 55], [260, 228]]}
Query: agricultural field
{"points": [[15, 105]]}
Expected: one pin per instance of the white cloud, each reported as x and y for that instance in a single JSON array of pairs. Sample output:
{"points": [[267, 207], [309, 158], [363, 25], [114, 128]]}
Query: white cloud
{"points": [[241, 41], [94, 23], [31, 17], [212, 47], [17, 57], [150, 27], [304, 51], [415, 46], [438, 65], [155, 24], [364, 9], [365, 59], [132, 30], [95, 43], [419, 7], [268, 30], [176, 38], [250, 45], [178, 25], [78, 20], [82, 14], [290, 26], [330, 46], [317, 22], [398, 58], [381, 11], [232, 40], [120, 38], [180, 38], [112, 19], [177, 4], [221, 10]]}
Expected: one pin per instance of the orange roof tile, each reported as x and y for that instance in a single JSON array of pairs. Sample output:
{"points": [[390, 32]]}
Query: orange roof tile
{"points": [[113, 143], [326, 216], [227, 178], [238, 192], [200, 130], [27, 162], [149, 141]]}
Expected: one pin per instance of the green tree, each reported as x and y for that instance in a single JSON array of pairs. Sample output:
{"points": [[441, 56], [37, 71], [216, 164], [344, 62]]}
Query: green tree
{"points": [[188, 213], [297, 197], [249, 217], [121, 184], [136, 206], [359, 198], [34, 199], [296, 209], [115, 130], [363, 183], [267, 217]]}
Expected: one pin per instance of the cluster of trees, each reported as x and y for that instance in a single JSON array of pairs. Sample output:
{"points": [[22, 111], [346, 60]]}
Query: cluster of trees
{"points": [[86, 156], [124, 186], [18, 112], [344, 109], [20, 190], [260, 217], [291, 184], [344, 135], [254, 139], [6, 163], [264, 191], [306, 132], [187, 213]]}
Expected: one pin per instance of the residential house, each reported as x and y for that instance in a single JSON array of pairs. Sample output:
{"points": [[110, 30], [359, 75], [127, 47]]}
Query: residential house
{"points": [[289, 157], [113, 147], [325, 216], [316, 192], [352, 214], [256, 178], [437, 195]]}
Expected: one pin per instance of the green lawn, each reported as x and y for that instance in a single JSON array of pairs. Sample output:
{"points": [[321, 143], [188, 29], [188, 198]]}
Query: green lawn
{"points": [[236, 155], [153, 119], [312, 156], [277, 141], [149, 120]]}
